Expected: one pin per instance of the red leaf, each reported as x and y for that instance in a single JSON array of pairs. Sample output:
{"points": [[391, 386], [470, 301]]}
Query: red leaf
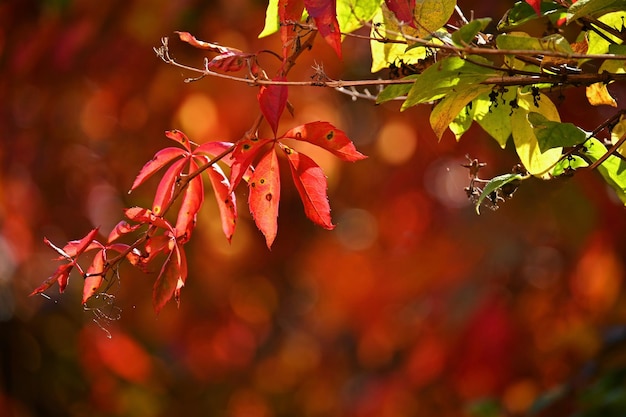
{"points": [[72, 250], [324, 14], [233, 61], [182, 275], [403, 10], [325, 135], [272, 100], [143, 215], [289, 11], [213, 149], [264, 195], [94, 276], [122, 228], [171, 278], [226, 200], [166, 187], [161, 158], [192, 201], [191, 40], [311, 184], [242, 156], [536, 4], [180, 137]]}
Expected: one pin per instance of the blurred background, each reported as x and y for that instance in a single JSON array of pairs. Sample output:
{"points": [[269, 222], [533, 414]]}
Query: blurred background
{"points": [[412, 306]]}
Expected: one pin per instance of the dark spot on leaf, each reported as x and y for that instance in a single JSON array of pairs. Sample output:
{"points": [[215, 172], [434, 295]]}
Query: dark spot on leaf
{"points": [[246, 146], [288, 151], [253, 184], [330, 135], [268, 196], [254, 139], [298, 135], [262, 181]]}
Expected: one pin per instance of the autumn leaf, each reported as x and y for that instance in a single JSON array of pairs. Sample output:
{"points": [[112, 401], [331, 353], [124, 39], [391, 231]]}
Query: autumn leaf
{"points": [[226, 200], [120, 229], [62, 273], [178, 136], [324, 14], [289, 11], [171, 277], [161, 158], [193, 197], [264, 195], [311, 184], [166, 187], [94, 276], [403, 10], [232, 61], [193, 41], [213, 149], [143, 215], [242, 156], [327, 136], [272, 100]]}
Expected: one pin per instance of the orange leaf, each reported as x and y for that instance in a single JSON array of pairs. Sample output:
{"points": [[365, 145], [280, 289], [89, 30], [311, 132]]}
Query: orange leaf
{"points": [[143, 215], [264, 195], [94, 276], [326, 136], [171, 278], [242, 156], [289, 11], [193, 41], [122, 228], [311, 184], [161, 158], [178, 136]]}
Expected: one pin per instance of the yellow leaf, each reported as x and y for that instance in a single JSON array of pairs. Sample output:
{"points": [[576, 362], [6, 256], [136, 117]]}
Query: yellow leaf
{"points": [[597, 94], [536, 162]]}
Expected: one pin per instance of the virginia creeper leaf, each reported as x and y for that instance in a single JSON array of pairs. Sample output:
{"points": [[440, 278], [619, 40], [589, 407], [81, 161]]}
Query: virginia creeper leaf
{"points": [[166, 187], [242, 156], [143, 215], [193, 196], [62, 273], [289, 11], [120, 229], [403, 10], [191, 40], [272, 100], [94, 276], [182, 273], [232, 61], [226, 200], [264, 195], [324, 13], [272, 23], [213, 149], [327, 136], [170, 277], [178, 136], [311, 184], [555, 134], [161, 158]]}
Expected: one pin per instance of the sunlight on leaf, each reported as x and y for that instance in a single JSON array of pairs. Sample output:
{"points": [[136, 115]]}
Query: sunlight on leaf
{"points": [[555, 134], [326, 136], [613, 169], [264, 187], [449, 108]]}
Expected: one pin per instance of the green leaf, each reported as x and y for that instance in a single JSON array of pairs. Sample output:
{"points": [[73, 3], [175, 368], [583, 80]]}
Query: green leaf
{"points": [[555, 42], [448, 109], [523, 12], [461, 124], [565, 165], [386, 26], [495, 116], [593, 7], [271, 19], [449, 75], [496, 183], [599, 44], [395, 90], [555, 134], [352, 13], [466, 33], [535, 161], [613, 169]]}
